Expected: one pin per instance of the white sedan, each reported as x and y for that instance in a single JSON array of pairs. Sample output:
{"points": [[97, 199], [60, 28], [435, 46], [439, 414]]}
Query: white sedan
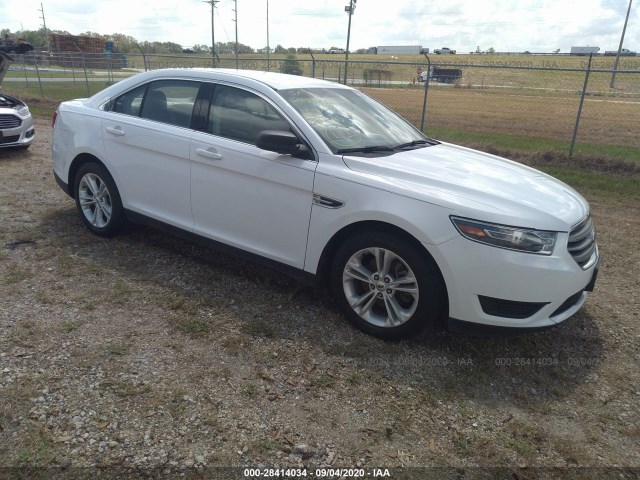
{"points": [[325, 183]]}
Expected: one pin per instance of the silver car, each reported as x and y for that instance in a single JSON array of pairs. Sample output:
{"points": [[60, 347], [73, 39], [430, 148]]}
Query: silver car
{"points": [[16, 123]]}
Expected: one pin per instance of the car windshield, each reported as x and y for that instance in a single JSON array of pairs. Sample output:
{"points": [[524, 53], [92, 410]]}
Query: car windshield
{"points": [[350, 121]]}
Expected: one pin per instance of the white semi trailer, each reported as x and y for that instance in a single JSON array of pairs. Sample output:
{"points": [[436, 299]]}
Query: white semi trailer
{"points": [[400, 50], [582, 51]]}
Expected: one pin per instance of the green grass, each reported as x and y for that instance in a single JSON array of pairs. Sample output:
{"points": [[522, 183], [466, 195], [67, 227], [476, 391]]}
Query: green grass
{"points": [[258, 327], [263, 446], [515, 142], [250, 390], [191, 325], [54, 93], [525, 143], [34, 451], [117, 349], [78, 74], [596, 183]]}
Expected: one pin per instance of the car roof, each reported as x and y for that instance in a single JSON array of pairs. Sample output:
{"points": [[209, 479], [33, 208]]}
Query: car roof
{"points": [[251, 78], [277, 81]]}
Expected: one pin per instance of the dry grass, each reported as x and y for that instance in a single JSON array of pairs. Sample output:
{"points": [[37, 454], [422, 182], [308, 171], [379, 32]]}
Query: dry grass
{"points": [[259, 379], [609, 122]]}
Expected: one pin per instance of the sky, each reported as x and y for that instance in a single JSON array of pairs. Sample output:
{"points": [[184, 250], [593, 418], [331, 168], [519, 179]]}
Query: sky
{"points": [[505, 25]]}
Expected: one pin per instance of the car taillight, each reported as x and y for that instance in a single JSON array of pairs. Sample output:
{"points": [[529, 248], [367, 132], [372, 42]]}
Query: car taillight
{"points": [[53, 120]]}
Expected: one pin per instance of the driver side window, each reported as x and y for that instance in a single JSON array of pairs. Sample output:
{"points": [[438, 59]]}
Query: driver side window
{"points": [[240, 115]]}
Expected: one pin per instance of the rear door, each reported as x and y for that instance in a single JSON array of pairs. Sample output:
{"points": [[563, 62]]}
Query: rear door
{"points": [[256, 200], [147, 135]]}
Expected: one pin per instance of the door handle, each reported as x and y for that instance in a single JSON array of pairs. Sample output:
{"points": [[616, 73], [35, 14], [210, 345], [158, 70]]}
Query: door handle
{"points": [[208, 154], [115, 131]]}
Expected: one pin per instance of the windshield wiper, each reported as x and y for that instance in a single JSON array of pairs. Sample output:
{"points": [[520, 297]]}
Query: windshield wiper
{"points": [[416, 143], [371, 149]]}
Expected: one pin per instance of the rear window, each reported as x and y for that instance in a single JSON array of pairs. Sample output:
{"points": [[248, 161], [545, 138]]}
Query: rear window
{"points": [[166, 101]]}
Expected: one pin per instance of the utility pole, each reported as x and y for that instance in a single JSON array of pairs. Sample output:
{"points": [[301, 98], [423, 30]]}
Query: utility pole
{"points": [[213, 35], [349, 9], [46, 33], [268, 48], [615, 67], [236, 20]]}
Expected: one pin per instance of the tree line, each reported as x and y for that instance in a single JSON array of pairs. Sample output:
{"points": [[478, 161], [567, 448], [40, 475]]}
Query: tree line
{"points": [[128, 44]]}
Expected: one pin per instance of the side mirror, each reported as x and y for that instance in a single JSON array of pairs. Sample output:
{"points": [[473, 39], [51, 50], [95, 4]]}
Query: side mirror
{"points": [[282, 142]]}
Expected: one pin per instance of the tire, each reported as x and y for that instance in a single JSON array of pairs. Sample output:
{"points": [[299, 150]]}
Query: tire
{"points": [[364, 280], [98, 200]]}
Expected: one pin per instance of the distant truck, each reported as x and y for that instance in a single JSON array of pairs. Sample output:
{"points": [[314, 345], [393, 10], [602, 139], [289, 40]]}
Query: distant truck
{"points": [[442, 75], [400, 50], [444, 51], [582, 51], [337, 50], [623, 53]]}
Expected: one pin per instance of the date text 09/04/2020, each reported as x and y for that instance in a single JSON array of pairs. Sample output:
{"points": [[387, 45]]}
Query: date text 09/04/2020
{"points": [[318, 473]]}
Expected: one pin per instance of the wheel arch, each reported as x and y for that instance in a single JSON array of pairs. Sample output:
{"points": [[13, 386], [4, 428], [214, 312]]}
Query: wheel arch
{"points": [[324, 265], [78, 162]]}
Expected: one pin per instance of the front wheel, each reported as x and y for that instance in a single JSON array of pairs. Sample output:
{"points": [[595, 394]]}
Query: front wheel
{"points": [[98, 200], [386, 286]]}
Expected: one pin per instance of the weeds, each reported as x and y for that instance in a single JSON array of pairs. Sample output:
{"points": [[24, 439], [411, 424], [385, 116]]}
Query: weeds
{"points": [[117, 350]]}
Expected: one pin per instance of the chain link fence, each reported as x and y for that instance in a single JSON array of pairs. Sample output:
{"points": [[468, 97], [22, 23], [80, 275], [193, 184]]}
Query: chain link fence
{"points": [[521, 102]]}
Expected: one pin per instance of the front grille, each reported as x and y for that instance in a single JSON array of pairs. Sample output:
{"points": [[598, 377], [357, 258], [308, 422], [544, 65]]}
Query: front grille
{"points": [[509, 308], [582, 243], [9, 121], [568, 303], [11, 139]]}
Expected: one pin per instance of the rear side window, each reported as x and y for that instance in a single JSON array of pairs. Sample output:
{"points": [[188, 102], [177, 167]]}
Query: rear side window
{"points": [[167, 101], [130, 102], [170, 101], [240, 115]]}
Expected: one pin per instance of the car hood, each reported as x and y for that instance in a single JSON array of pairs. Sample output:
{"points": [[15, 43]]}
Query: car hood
{"points": [[5, 61], [473, 183]]}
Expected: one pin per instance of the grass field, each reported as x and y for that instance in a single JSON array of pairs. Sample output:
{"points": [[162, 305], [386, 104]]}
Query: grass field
{"points": [[519, 121]]}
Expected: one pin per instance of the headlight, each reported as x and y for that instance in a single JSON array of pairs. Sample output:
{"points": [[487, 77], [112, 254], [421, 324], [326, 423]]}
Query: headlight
{"points": [[513, 238], [23, 111]]}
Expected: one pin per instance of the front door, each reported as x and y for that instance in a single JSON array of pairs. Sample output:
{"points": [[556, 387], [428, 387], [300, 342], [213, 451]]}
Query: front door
{"points": [[253, 199]]}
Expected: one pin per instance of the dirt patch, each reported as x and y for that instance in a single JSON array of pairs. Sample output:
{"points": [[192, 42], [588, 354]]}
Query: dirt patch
{"points": [[149, 352]]}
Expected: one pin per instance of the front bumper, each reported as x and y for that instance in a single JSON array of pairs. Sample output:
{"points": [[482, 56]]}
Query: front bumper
{"points": [[506, 290], [21, 136]]}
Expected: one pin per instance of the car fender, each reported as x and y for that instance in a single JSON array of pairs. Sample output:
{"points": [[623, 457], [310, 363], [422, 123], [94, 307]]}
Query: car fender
{"points": [[355, 204]]}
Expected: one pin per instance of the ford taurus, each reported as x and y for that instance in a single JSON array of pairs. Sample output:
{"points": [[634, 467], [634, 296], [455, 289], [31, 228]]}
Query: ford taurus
{"points": [[325, 183]]}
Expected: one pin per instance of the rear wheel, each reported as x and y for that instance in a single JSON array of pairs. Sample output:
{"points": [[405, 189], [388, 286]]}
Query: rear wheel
{"points": [[385, 285], [98, 200]]}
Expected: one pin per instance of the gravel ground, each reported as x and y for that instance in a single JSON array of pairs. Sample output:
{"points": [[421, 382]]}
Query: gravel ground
{"points": [[149, 352]]}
